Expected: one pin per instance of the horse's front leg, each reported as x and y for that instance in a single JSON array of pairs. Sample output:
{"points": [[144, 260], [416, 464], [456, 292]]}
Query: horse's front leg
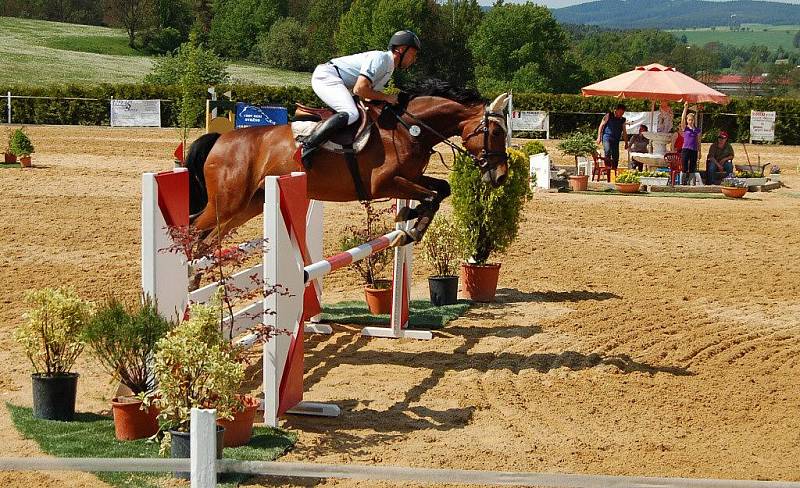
{"points": [[430, 192]]}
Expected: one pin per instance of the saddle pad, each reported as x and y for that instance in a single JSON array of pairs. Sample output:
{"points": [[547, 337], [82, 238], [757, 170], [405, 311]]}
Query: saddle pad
{"points": [[302, 129]]}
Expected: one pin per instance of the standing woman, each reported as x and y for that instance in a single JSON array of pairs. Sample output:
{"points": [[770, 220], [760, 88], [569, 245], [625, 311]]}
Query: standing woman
{"points": [[611, 130], [691, 142]]}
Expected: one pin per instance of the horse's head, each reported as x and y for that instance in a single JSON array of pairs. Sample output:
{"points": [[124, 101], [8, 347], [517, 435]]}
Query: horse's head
{"points": [[484, 136]]}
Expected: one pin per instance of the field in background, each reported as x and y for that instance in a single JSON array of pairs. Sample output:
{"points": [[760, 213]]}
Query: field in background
{"points": [[771, 36], [35, 52]]}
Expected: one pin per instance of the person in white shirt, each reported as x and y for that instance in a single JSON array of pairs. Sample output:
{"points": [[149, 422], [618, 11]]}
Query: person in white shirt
{"points": [[363, 74]]}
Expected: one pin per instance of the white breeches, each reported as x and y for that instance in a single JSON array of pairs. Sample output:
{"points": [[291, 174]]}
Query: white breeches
{"points": [[331, 89]]}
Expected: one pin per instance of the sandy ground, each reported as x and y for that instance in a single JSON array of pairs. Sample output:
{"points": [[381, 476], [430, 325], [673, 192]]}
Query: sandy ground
{"points": [[632, 335]]}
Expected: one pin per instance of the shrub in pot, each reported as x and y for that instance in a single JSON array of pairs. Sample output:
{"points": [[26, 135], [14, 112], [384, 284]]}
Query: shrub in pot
{"points": [[442, 249], [628, 182], [123, 339], [9, 157], [576, 145], [488, 219], [372, 270], [21, 146], [52, 339], [196, 367]]}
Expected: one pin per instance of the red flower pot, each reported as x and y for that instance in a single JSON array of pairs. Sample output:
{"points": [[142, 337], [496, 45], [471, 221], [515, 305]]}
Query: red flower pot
{"points": [[379, 299], [627, 187], [239, 430], [479, 282], [579, 183], [25, 161], [732, 192], [130, 421], [10, 158]]}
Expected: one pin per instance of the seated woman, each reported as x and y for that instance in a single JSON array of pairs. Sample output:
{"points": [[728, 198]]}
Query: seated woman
{"points": [[638, 143], [719, 161]]}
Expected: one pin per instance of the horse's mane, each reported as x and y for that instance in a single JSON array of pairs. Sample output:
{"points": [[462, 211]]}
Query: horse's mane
{"points": [[438, 88]]}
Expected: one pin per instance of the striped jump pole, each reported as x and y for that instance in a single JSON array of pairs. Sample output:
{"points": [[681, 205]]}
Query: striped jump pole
{"points": [[338, 261]]}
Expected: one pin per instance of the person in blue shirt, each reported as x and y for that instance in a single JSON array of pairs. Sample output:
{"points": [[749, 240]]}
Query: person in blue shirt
{"points": [[611, 130], [364, 74]]}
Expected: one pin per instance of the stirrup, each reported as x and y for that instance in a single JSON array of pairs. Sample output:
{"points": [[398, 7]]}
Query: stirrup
{"points": [[306, 155]]}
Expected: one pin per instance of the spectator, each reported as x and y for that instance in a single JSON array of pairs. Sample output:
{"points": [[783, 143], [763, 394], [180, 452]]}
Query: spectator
{"points": [[611, 130], [719, 162], [639, 144], [665, 117], [692, 136]]}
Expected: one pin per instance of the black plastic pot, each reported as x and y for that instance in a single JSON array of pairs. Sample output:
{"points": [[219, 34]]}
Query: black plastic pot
{"points": [[181, 447], [444, 290], [54, 396]]}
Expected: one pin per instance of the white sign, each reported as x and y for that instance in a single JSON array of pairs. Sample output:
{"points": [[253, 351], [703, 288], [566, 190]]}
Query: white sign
{"points": [[528, 120], [540, 166], [634, 119], [135, 113], [762, 126]]}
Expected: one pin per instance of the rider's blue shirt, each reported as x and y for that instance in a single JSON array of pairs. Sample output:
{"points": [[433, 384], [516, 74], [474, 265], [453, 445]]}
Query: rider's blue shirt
{"points": [[378, 66]]}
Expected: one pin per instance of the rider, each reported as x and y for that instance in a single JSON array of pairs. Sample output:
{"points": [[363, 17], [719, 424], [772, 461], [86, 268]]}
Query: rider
{"points": [[363, 74]]}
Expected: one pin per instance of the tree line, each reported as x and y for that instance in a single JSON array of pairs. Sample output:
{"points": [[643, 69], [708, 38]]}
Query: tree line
{"points": [[516, 46]]}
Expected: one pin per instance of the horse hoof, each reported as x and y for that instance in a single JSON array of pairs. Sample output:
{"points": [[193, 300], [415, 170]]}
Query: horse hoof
{"points": [[402, 240], [406, 213]]}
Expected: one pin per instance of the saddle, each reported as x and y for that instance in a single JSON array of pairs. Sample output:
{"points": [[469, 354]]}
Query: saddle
{"points": [[355, 135]]}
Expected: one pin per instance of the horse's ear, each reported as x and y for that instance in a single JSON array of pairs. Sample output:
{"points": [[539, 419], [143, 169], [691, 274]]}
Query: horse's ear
{"points": [[499, 104]]}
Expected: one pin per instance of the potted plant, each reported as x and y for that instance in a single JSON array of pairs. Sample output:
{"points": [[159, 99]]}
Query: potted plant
{"points": [[9, 157], [196, 367], [21, 146], [488, 219], [123, 339], [377, 289], [733, 187], [52, 339], [576, 145], [751, 178], [627, 182], [653, 178], [775, 173], [442, 249]]}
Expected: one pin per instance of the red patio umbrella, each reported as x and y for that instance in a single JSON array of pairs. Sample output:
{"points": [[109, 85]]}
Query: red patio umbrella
{"points": [[656, 82]]}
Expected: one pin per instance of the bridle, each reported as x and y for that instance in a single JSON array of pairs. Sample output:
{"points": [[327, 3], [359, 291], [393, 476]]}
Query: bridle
{"points": [[482, 160]]}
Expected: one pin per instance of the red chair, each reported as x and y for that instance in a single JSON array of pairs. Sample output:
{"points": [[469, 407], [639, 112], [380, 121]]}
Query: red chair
{"points": [[600, 167], [673, 160]]}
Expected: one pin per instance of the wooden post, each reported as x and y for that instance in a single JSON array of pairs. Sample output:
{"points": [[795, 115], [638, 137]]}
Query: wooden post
{"points": [[203, 448]]}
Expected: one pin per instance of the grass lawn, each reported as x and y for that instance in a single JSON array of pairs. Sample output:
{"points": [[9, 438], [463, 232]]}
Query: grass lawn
{"points": [[92, 435], [36, 52], [422, 314], [771, 36]]}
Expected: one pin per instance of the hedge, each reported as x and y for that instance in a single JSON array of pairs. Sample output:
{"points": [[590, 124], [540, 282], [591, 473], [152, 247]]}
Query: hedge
{"points": [[569, 112]]}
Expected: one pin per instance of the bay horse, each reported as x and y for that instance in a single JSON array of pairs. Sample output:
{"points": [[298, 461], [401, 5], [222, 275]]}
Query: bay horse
{"points": [[227, 171]]}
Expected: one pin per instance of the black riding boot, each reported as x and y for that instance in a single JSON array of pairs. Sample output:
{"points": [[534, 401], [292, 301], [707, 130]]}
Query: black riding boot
{"points": [[321, 133]]}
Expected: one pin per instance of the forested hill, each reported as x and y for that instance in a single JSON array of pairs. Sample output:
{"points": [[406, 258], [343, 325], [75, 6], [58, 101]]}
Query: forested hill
{"points": [[677, 14]]}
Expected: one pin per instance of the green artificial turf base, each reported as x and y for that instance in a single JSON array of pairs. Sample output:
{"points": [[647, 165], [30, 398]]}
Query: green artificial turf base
{"points": [[422, 314], [92, 435]]}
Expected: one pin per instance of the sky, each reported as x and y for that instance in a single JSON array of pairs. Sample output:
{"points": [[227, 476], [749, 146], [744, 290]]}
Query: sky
{"points": [[566, 3]]}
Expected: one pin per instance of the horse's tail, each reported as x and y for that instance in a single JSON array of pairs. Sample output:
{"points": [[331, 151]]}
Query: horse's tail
{"points": [[195, 160]]}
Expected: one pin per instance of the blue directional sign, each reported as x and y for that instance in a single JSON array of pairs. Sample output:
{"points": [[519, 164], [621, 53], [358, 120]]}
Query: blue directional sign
{"points": [[252, 116]]}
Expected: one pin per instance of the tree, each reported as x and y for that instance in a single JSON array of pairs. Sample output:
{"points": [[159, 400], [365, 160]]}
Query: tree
{"points": [[285, 45], [131, 14], [446, 54], [322, 23], [237, 25], [515, 36], [170, 69], [355, 32]]}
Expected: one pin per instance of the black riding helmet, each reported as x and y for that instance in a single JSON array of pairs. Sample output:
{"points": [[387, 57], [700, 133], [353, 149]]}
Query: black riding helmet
{"points": [[405, 38]]}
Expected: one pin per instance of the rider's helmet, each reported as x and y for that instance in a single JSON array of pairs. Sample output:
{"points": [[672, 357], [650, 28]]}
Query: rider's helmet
{"points": [[405, 38]]}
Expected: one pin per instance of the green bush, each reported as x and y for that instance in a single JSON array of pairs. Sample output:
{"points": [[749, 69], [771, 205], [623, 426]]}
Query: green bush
{"points": [[123, 339], [284, 46], [442, 245], [628, 177], [488, 217], [533, 147], [52, 333], [168, 70], [20, 144]]}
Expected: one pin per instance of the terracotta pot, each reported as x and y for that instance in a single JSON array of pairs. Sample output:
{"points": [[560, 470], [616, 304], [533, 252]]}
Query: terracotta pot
{"points": [[379, 299], [25, 161], [579, 183], [130, 421], [239, 430], [479, 282], [732, 192], [627, 187], [10, 158]]}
